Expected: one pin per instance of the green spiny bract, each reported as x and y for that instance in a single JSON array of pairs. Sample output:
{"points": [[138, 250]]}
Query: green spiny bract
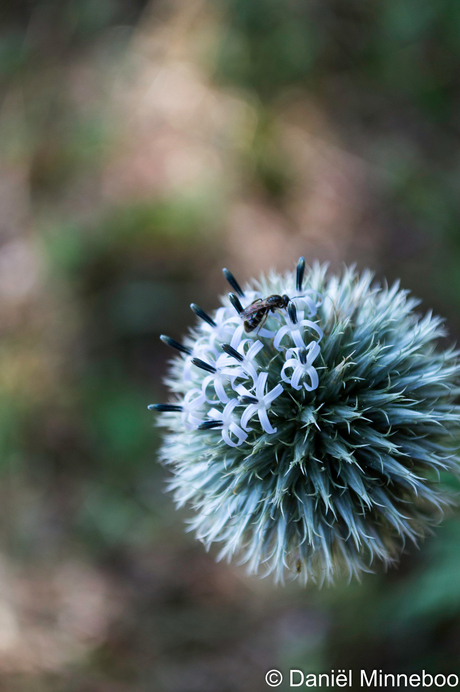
{"points": [[341, 466]]}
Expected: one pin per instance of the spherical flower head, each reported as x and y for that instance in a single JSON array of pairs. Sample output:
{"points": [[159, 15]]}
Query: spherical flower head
{"points": [[312, 415]]}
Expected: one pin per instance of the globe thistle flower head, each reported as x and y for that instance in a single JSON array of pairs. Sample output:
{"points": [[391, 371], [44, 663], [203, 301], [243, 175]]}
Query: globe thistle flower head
{"points": [[310, 418]]}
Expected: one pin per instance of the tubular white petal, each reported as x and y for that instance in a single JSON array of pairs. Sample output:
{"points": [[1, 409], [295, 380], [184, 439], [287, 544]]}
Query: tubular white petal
{"points": [[229, 424], [226, 437], [248, 413], [254, 349], [314, 326], [314, 380], [228, 410], [225, 325], [191, 422], [260, 385], [296, 376], [250, 370], [220, 391], [193, 400], [265, 423], [309, 303], [314, 351], [297, 339], [200, 350], [242, 391], [279, 335], [236, 338], [215, 414], [273, 394], [290, 363], [266, 333], [311, 298], [238, 432]]}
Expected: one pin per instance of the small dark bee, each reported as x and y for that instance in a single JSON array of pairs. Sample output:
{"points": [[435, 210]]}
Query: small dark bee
{"points": [[255, 314]]}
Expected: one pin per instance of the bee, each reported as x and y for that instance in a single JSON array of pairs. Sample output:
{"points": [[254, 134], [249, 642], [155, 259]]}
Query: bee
{"points": [[255, 314]]}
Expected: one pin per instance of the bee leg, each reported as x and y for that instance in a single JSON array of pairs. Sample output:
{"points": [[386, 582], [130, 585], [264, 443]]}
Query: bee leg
{"points": [[262, 322]]}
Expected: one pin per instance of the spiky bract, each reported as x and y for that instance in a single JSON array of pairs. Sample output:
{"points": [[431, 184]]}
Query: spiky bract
{"points": [[348, 470]]}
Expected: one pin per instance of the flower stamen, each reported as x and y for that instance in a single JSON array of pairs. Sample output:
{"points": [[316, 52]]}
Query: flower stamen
{"points": [[165, 407], [299, 274], [233, 282], [263, 404], [235, 302], [202, 314], [175, 344]]}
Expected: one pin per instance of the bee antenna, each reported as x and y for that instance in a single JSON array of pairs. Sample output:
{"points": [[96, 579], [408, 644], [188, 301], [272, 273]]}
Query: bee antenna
{"points": [[299, 274], [233, 282]]}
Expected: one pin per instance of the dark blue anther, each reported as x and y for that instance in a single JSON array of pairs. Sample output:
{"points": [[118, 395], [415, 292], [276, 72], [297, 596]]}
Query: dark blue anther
{"points": [[233, 282], [235, 302], [175, 344], [210, 424], [165, 407], [204, 366], [245, 399], [300, 273], [202, 315], [303, 355], [292, 312], [232, 352]]}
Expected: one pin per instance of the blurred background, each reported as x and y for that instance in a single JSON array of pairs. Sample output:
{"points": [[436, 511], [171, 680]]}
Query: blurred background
{"points": [[144, 146]]}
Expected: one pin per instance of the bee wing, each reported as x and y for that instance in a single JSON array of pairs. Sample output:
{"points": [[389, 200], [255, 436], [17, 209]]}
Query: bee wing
{"points": [[252, 309]]}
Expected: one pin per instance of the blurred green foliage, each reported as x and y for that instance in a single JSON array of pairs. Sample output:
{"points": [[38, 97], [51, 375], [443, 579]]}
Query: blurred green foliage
{"points": [[404, 49], [388, 75]]}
